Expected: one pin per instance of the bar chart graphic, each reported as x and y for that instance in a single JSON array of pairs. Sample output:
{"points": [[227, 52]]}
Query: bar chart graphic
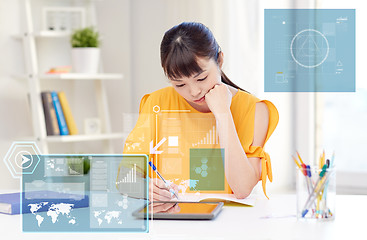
{"points": [[130, 176], [130, 180], [211, 137]]}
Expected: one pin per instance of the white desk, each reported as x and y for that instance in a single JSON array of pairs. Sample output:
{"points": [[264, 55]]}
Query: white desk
{"points": [[232, 223]]}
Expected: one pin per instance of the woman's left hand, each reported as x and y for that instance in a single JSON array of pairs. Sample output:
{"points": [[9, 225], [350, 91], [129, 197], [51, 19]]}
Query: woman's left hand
{"points": [[219, 99]]}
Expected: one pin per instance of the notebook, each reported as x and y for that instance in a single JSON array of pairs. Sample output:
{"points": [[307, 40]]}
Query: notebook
{"points": [[215, 197], [10, 202]]}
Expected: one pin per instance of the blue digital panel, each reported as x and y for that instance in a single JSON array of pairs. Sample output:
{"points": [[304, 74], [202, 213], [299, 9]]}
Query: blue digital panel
{"points": [[309, 50], [85, 193]]}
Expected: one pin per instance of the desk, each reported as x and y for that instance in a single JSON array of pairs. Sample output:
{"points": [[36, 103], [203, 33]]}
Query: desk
{"points": [[232, 223]]}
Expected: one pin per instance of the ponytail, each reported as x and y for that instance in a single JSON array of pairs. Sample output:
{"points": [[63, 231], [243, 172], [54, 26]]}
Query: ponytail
{"points": [[226, 80]]}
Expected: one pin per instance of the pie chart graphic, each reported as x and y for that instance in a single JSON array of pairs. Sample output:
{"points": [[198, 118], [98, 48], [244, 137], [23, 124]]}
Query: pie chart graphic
{"points": [[309, 48]]}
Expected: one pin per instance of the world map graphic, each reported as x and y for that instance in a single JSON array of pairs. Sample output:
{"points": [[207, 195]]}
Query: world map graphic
{"points": [[54, 211]]}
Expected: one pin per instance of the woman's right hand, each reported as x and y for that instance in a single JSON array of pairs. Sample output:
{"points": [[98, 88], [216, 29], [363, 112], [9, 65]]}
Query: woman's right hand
{"points": [[161, 192]]}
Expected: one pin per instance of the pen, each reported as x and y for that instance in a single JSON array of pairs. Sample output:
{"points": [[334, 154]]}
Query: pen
{"points": [[306, 168], [320, 197], [306, 171], [298, 165], [332, 160], [300, 158], [321, 164], [167, 185], [325, 210]]}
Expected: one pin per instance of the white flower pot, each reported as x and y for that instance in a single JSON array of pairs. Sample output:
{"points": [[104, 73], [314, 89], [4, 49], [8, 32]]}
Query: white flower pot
{"points": [[85, 60]]}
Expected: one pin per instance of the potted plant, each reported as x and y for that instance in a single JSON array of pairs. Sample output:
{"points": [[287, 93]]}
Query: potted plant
{"points": [[85, 50], [78, 165]]}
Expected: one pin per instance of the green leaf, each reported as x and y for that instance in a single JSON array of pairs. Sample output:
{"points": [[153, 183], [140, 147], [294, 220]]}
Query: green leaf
{"points": [[85, 37]]}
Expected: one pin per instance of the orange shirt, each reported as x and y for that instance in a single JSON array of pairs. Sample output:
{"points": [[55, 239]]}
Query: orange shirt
{"points": [[189, 150]]}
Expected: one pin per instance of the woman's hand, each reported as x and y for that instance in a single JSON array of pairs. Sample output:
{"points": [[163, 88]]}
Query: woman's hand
{"points": [[219, 99], [160, 191]]}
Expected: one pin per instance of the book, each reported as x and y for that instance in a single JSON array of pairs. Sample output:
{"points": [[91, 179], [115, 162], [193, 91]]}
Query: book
{"points": [[10, 202], [215, 197], [59, 114], [59, 69], [52, 126], [70, 122]]}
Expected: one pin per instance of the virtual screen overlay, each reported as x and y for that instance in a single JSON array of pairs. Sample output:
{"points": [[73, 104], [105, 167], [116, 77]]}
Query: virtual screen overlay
{"points": [[100, 193], [309, 50], [85, 193], [186, 149]]}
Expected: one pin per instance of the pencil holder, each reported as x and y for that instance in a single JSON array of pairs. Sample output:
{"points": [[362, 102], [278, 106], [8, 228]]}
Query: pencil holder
{"points": [[316, 193]]}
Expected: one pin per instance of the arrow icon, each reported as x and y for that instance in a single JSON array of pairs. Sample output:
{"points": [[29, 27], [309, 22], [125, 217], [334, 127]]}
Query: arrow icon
{"points": [[153, 150], [25, 160]]}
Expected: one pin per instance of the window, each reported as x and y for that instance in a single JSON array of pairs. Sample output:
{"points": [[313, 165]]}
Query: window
{"points": [[342, 128], [342, 117]]}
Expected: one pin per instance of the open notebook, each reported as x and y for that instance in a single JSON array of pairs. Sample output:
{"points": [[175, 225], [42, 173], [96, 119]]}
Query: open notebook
{"points": [[215, 197]]}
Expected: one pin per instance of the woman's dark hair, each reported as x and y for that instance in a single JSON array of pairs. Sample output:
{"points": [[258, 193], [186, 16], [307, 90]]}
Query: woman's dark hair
{"points": [[183, 44]]}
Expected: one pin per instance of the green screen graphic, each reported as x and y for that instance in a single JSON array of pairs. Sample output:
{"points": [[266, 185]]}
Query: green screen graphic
{"points": [[206, 169]]}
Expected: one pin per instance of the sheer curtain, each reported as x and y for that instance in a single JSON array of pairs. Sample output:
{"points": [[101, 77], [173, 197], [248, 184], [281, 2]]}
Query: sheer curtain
{"points": [[238, 31]]}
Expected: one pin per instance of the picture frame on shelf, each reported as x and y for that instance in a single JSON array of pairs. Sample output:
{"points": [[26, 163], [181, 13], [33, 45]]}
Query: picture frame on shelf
{"points": [[92, 126], [63, 19]]}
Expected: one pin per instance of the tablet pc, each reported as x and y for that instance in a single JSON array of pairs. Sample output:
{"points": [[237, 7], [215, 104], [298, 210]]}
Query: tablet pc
{"points": [[180, 210]]}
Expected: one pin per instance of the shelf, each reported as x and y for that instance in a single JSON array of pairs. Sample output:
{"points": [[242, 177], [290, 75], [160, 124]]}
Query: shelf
{"points": [[76, 76], [82, 138], [52, 34], [83, 76], [45, 34]]}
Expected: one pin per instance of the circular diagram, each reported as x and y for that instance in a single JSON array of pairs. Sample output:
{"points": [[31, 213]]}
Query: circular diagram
{"points": [[309, 48], [156, 109]]}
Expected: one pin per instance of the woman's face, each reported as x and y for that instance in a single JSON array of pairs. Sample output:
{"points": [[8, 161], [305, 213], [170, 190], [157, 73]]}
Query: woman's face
{"points": [[194, 88]]}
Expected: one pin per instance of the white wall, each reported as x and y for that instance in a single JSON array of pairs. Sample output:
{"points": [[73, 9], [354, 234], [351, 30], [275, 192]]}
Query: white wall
{"points": [[132, 31], [14, 121]]}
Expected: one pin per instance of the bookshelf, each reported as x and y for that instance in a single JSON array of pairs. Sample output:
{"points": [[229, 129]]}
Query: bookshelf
{"points": [[32, 38], [89, 137], [76, 76]]}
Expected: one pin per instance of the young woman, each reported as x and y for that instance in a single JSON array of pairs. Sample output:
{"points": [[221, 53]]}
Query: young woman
{"points": [[202, 110]]}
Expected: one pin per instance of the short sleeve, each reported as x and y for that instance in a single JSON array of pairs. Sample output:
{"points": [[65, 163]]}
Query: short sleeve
{"points": [[138, 140], [258, 151], [143, 101]]}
